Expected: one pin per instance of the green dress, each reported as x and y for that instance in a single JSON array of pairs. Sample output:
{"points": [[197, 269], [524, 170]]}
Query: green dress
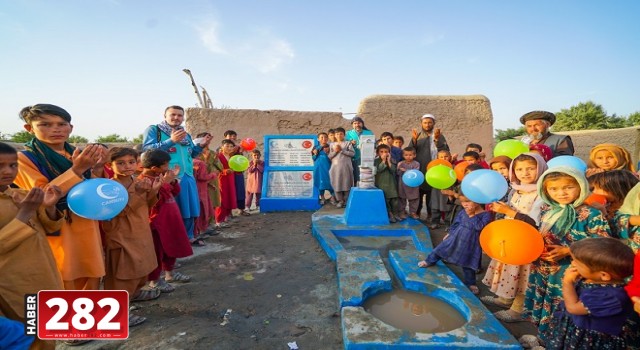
{"points": [[544, 292], [213, 166]]}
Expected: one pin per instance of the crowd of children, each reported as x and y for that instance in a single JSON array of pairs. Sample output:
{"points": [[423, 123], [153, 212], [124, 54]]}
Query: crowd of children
{"points": [[574, 292]]}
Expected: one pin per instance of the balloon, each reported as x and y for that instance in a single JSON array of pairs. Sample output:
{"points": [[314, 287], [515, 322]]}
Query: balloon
{"points": [[570, 161], [413, 178], [512, 242], [238, 163], [510, 148], [484, 186], [97, 199], [440, 177], [437, 162], [596, 198], [459, 169], [248, 144]]}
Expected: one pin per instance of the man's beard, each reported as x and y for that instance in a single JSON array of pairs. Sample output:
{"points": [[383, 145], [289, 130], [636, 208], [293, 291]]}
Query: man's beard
{"points": [[537, 136]]}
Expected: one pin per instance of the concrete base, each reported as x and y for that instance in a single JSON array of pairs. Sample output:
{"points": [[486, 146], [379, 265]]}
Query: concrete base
{"points": [[366, 207]]}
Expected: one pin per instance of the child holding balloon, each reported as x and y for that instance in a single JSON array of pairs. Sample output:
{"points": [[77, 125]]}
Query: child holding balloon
{"points": [[566, 220], [439, 202], [406, 193], [509, 282], [227, 184], [462, 246], [595, 305]]}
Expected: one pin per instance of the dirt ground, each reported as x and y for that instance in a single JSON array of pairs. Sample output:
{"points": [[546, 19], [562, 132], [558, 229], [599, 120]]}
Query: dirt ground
{"points": [[274, 277]]}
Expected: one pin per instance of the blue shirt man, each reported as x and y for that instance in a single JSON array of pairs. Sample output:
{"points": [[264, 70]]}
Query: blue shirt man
{"points": [[353, 136]]}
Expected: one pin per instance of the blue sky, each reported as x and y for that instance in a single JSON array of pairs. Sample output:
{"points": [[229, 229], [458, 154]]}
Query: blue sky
{"points": [[115, 64]]}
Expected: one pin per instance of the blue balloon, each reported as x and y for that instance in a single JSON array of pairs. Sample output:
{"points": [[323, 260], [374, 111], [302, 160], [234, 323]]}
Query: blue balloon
{"points": [[97, 199], [570, 161], [413, 178], [484, 186]]}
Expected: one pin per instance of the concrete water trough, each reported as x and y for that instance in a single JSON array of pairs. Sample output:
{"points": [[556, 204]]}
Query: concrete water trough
{"points": [[378, 258]]}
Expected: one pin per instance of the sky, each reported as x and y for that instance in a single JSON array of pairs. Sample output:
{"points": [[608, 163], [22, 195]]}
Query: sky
{"points": [[116, 64]]}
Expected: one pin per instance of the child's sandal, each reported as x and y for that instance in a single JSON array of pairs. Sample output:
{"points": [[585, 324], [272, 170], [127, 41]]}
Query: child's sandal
{"points": [[146, 294], [178, 277]]}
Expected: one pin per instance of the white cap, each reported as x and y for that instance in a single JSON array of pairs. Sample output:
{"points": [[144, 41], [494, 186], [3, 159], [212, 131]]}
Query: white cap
{"points": [[429, 116]]}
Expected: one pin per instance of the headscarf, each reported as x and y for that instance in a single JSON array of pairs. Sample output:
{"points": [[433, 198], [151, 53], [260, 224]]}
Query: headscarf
{"points": [[631, 204], [621, 154], [541, 166], [545, 151], [562, 216], [167, 129]]}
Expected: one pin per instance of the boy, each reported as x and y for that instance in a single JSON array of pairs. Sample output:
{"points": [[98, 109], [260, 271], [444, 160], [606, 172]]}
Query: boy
{"points": [[473, 147], [129, 252], [341, 171], [170, 238], [406, 193], [228, 200], [207, 212], [239, 176], [386, 179], [321, 166], [331, 134], [396, 153], [398, 141], [26, 261], [439, 202]]}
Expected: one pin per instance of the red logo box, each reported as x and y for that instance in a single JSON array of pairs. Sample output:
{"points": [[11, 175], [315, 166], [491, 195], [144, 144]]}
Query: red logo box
{"points": [[83, 314]]}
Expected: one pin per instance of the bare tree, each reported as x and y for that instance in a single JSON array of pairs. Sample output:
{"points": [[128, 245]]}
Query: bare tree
{"points": [[195, 88]]}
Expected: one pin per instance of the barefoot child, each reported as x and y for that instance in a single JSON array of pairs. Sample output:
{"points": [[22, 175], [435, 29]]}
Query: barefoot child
{"points": [[129, 250], [26, 261], [406, 193], [595, 305], [386, 179], [462, 245], [170, 238], [254, 180]]}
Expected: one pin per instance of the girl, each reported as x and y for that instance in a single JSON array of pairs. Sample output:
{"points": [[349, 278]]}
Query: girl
{"points": [[207, 212], [50, 159], [341, 172], [210, 157], [254, 180], [321, 165], [608, 156], [462, 246], [595, 305], [406, 193], [565, 221], [613, 186], [627, 219], [509, 282], [543, 150]]}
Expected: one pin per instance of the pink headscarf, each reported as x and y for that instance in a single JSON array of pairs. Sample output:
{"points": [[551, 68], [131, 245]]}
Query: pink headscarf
{"points": [[541, 167], [545, 151]]}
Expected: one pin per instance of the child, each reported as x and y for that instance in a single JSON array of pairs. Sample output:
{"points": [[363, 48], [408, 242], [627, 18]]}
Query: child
{"points": [[239, 176], [50, 159], [396, 153], [129, 249], [321, 165], [509, 282], [567, 220], [398, 141], [341, 172], [462, 245], [227, 184], [608, 156], [386, 179], [542, 149], [26, 261], [627, 219], [213, 166], [170, 240], [203, 177], [477, 149], [595, 305], [254, 180], [472, 157], [501, 164], [331, 134], [406, 193], [439, 202]]}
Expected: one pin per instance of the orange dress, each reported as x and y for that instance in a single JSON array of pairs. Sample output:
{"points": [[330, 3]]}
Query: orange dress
{"points": [[78, 249]]}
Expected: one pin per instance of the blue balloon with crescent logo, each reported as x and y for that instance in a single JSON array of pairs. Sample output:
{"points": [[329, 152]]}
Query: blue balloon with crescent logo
{"points": [[97, 199], [413, 178]]}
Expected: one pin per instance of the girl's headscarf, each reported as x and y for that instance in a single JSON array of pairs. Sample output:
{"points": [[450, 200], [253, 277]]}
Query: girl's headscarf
{"points": [[621, 154], [631, 204], [515, 183], [545, 151], [562, 216]]}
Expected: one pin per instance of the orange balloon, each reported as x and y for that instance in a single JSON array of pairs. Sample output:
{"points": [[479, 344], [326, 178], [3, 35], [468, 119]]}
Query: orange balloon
{"points": [[596, 198], [511, 241], [460, 168], [438, 162]]}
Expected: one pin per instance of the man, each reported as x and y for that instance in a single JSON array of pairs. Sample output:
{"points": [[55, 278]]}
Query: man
{"points": [[427, 144], [537, 124], [171, 137], [353, 136]]}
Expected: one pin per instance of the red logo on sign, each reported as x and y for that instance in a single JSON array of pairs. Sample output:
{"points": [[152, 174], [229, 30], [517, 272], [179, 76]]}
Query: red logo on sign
{"points": [[83, 314], [306, 176], [307, 144]]}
